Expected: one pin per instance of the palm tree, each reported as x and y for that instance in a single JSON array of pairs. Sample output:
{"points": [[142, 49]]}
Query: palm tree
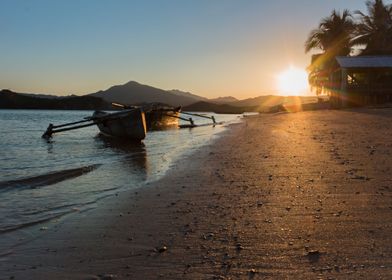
{"points": [[333, 37], [333, 34], [375, 29]]}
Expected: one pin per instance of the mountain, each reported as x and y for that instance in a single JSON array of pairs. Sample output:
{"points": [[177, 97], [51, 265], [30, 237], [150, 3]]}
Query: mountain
{"points": [[224, 100], [187, 94], [135, 93], [263, 103], [203, 106], [256, 101], [39, 95], [13, 100]]}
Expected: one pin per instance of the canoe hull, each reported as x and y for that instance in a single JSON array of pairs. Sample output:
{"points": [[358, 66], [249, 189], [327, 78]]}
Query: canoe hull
{"points": [[130, 125]]}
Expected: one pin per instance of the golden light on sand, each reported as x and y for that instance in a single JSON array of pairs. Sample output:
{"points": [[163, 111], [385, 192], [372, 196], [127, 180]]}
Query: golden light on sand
{"points": [[292, 81]]}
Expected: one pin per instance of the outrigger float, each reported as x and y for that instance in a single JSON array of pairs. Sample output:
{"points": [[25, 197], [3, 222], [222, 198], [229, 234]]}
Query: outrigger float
{"points": [[132, 122]]}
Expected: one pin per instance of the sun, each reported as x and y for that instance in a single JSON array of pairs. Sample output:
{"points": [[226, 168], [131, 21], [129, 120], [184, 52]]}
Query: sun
{"points": [[292, 81]]}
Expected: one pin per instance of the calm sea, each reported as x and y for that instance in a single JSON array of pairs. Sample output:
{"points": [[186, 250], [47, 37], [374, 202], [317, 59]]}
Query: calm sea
{"points": [[41, 180]]}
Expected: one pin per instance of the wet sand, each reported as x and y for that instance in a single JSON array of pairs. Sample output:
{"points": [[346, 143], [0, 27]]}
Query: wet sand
{"points": [[283, 196]]}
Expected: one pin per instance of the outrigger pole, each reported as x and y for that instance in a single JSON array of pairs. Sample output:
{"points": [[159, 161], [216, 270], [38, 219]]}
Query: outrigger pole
{"points": [[71, 126], [181, 118], [199, 115], [192, 123], [52, 128]]}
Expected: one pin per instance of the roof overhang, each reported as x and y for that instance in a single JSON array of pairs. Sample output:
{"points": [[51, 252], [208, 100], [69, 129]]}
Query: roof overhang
{"points": [[364, 61]]}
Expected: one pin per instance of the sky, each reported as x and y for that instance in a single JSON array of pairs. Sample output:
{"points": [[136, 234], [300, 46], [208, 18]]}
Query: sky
{"points": [[208, 47]]}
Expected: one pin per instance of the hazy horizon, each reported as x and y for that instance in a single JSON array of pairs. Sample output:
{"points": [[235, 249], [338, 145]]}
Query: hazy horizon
{"points": [[208, 48], [272, 92]]}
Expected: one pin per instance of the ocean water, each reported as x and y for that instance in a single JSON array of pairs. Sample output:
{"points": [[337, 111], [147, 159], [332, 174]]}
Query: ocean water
{"points": [[41, 180]]}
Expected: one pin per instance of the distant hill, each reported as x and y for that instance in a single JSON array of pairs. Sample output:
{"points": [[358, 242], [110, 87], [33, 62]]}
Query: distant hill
{"points": [[263, 103], [203, 106], [187, 94], [224, 100], [40, 95], [12, 100], [256, 101], [135, 93]]}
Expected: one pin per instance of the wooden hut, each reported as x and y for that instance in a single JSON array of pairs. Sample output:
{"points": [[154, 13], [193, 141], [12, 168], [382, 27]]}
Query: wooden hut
{"points": [[361, 80]]}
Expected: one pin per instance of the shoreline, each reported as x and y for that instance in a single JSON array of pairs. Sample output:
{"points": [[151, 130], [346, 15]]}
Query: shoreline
{"points": [[121, 167], [45, 234], [301, 195]]}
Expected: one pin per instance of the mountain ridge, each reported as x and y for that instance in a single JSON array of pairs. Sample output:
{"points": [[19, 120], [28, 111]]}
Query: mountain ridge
{"points": [[224, 100], [13, 100], [134, 93]]}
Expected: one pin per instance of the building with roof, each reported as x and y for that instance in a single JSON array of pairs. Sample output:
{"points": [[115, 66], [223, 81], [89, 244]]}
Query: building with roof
{"points": [[361, 80]]}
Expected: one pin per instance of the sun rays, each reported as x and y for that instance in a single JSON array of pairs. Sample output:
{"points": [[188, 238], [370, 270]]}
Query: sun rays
{"points": [[292, 81]]}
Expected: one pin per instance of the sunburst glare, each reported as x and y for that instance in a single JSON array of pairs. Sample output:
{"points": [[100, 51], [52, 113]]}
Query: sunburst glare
{"points": [[292, 81]]}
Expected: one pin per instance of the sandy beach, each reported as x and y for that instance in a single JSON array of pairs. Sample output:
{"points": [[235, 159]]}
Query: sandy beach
{"points": [[279, 196]]}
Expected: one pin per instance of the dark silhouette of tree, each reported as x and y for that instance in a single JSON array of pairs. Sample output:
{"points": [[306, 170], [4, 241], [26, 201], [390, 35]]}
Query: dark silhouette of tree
{"points": [[333, 37], [333, 34], [375, 29]]}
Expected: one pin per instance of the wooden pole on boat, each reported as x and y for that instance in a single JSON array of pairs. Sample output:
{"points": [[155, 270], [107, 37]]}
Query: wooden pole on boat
{"points": [[72, 123], [118, 105], [199, 115], [114, 104], [50, 130], [53, 128]]}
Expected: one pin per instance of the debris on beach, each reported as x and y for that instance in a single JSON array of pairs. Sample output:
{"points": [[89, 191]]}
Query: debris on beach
{"points": [[358, 177], [338, 214], [239, 247], [208, 236], [107, 277], [313, 255], [162, 249]]}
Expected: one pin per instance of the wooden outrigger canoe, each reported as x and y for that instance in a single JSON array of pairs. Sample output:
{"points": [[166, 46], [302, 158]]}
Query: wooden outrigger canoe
{"points": [[131, 122], [160, 116]]}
